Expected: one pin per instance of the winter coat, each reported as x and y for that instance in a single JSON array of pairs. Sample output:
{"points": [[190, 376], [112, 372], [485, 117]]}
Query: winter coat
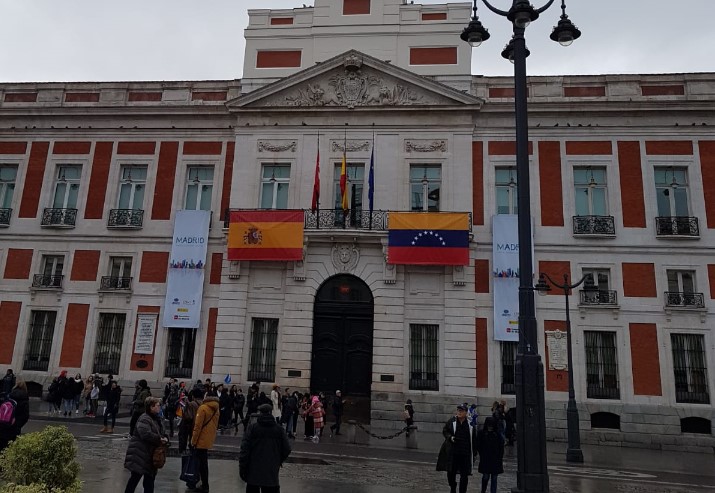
{"points": [[22, 416], [239, 402], [87, 389], [8, 383], [316, 410], [275, 402], [491, 449], [446, 453], [139, 404], [338, 405], [206, 424], [113, 398], [264, 448], [147, 436], [66, 388]]}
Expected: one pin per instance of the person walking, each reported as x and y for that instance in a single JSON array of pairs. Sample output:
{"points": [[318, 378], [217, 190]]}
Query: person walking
{"points": [[458, 451], [491, 454], [140, 396], [276, 402], [113, 398], [338, 406], [171, 402], [148, 434], [204, 435], [186, 427], [8, 383], [238, 405], [408, 415], [9, 432], [264, 448]]}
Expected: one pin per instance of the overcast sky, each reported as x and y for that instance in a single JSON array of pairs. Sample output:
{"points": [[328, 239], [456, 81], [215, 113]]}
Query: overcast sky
{"points": [[103, 40]]}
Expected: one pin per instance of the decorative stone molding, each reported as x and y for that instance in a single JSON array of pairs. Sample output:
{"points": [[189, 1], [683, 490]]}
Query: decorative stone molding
{"points": [[299, 270], [345, 256], [279, 146], [234, 269], [389, 273], [350, 146], [459, 277], [426, 145]]}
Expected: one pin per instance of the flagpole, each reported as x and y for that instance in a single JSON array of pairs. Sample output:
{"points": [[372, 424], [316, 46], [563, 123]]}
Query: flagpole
{"points": [[344, 178], [371, 176], [317, 177]]}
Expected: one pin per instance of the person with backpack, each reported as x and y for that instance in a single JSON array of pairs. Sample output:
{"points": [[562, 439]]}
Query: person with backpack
{"points": [[408, 415], [14, 414], [490, 445]]}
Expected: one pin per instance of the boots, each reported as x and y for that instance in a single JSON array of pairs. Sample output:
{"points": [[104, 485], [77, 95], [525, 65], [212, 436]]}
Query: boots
{"points": [[110, 430], [103, 430]]}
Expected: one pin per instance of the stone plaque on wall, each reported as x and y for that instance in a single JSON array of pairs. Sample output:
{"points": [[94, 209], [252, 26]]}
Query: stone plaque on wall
{"points": [[557, 345]]}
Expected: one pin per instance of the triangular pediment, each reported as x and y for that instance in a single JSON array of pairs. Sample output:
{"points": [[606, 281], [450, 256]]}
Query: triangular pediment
{"points": [[353, 80]]}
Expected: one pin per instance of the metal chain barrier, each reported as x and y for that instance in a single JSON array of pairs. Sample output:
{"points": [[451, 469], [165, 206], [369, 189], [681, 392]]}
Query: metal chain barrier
{"points": [[387, 437]]}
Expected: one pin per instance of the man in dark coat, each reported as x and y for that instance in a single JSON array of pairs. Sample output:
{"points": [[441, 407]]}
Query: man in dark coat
{"points": [[264, 448], [8, 433], [8, 383], [458, 450], [338, 405]]}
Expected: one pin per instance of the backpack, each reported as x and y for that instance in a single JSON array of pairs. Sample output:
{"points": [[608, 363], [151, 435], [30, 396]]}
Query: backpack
{"points": [[405, 415], [7, 412]]}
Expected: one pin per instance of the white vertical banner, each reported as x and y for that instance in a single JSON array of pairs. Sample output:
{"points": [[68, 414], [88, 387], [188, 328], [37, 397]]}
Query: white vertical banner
{"points": [[146, 329], [505, 244], [185, 281]]}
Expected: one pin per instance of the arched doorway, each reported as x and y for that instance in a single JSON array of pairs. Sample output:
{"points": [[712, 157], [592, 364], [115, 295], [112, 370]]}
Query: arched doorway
{"points": [[342, 337]]}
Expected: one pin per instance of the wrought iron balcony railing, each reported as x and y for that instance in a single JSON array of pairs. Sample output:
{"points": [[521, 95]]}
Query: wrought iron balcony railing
{"points": [[109, 283], [677, 226], [43, 281], [60, 218], [177, 372], [602, 392], [352, 219], [594, 225], [126, 218], [683, 396], [687, 300], [5, 215], [601, 297]]}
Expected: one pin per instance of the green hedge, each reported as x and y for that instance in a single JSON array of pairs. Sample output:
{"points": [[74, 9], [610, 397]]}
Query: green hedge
{"points": [[41, 462]]}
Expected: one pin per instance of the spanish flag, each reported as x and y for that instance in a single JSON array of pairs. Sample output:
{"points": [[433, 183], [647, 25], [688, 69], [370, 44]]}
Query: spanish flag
{"points": [[265, 235], [428, 238]]}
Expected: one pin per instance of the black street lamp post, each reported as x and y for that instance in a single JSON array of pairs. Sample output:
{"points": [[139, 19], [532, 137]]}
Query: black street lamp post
{"points": [[532, 474], [573, 453]]}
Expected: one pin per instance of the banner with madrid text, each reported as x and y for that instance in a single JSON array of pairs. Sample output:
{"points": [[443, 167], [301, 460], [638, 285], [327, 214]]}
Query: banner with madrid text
{"points": [[185, 278], [265, 235]]}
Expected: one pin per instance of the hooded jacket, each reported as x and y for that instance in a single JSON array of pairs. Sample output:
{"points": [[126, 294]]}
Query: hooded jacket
{"points": [[206, 423], [264, 448], [147, 436]]}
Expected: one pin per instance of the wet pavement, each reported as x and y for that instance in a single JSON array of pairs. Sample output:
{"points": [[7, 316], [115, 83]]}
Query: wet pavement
{"points": [[387, 466]]}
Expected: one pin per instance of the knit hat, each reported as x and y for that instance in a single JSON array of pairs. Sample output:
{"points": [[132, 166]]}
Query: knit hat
{"points": [[316, 399], [265, 408]]}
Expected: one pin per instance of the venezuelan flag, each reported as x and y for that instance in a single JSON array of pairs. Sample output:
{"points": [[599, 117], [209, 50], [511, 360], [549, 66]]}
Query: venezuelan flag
{"points": [[428, 238], [265, 235]]}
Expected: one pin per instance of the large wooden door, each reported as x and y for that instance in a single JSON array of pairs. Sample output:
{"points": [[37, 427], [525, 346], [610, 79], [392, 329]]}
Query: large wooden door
{"points": [[342, 337]]}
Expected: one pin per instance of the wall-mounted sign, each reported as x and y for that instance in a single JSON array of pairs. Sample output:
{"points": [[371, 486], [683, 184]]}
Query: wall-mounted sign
{"points": [[146, 330], [557, 345]]}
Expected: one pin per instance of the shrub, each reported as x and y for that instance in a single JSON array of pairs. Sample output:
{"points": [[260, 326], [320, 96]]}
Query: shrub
{"points": [[41, 462]]}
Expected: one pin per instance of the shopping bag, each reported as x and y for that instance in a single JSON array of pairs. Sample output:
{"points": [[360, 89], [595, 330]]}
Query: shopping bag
{"points": [[189, 469]]}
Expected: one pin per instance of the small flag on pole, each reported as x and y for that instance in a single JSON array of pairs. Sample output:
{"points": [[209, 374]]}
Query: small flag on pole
{"points": [[227, 379], [371, 179], [344, 177]]}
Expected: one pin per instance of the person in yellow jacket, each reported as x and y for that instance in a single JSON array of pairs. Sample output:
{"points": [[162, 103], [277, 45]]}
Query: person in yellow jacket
{"points": [[204, 435]]}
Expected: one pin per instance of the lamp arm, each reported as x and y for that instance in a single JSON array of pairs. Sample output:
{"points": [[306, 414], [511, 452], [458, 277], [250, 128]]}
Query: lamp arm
{"points": [[583, 279], [542, 9], [496, 10]]}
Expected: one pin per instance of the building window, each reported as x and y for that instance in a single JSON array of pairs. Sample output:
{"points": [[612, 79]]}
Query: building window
{"points": [[681, 289], [39, 341], [604, 295], [51, 276], [180, 353], [110, 335], [690, 368], [132, 187], [67, 187], [199, 188], [264, 338], [120, 274], [506, 188], [671, 189], [508, 366], [424, 357], [425, 184], [274, 186], [601, 365], [590, 191], [8, 175]]}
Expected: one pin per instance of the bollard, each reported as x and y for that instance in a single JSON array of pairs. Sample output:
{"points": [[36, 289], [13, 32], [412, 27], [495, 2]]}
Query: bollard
{"points": [[352, 431], [411, 437]]}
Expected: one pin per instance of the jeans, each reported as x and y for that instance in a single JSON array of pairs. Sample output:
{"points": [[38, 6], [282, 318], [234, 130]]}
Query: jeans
{"points": [[289, 424], [252, 488], [113, 412], [485, 480], [134, 481], [202, 455], [68, 405]]}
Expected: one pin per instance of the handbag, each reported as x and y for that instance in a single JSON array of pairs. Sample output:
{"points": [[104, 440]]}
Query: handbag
{"points": [[190, 468], [158, 457]]}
